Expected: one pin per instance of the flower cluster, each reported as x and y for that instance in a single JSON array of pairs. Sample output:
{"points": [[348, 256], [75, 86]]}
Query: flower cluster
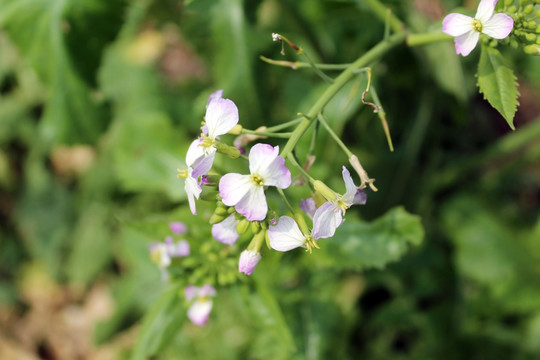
{"points": [[162, 253]]}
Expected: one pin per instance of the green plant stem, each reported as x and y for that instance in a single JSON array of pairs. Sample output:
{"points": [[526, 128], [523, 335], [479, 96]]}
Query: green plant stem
{"points": [[295, 163], [300, 64], [284, 198], [385, 15], [382, 116], [376, 52], [427, 38], [268, 133], [284, 125], [334, 136]]}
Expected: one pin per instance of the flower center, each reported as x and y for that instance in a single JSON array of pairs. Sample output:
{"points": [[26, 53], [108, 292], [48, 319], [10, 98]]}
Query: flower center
{"points": [[477, 25], [207, 142], [257, 180], [343, 205], [310, 244]]}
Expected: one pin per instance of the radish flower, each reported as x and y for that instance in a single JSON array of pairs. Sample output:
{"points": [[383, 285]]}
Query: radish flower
{"points": [[225, 232], [248, 261], [200, 309], [467, 29], [246, 192], [286, 235]]}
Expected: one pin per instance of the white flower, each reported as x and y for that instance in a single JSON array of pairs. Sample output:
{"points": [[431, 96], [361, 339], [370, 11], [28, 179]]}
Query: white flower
{"points": [[199, 311], [286, 235], [248, 261], [467, 30], [246, 192], [329, 216]]}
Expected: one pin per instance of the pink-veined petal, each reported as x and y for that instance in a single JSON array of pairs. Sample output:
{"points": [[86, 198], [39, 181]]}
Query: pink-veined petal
{"points": [[199, 312], [253, 205], [286, 235], [203, 164], [248, 261], [260, 156], [485, 10], [350, 187], [225, 231], [221, 117], [233, 187], [466, 43], [326, 220], [457, 24], [499, 26]]}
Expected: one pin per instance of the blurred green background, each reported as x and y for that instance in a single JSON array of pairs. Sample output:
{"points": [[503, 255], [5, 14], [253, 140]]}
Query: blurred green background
{"points": [[99, 101]]}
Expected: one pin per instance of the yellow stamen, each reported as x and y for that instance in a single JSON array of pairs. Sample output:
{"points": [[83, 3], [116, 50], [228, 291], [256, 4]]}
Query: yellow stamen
{"points": [[310, 244], [477, 25], [257, 180], [182, 174]]}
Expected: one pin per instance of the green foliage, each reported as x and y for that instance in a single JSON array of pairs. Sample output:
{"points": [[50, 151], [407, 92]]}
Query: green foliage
{"points": [[358, 245], [498, 84]]}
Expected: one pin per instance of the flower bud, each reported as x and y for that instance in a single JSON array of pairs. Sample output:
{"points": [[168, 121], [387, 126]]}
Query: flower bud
{"points": [[242, 226], [236, 130], [255, 227], [508, 2], [530, 37], [532, 49], [324, 190], [221, 211], [529, 9], [230, 151], [209, 194], [215, 218], [248, 261]]}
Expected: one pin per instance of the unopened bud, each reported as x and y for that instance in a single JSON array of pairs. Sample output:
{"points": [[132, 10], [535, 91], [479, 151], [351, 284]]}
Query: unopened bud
{"points": [[230, 151], [324, 190], [242, 226], [512, 9], [236, 130], [529, 9], [508, 2], [532, 49], [221, 211], [209, 194], [301, 224], [530, 37], [255, 227], [216, 219]]}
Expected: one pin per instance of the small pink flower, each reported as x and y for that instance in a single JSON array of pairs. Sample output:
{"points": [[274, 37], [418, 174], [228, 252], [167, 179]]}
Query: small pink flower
{"points": [[200, 309], [246, 192], [467, 30], [178, 227], [286, 235], [248, 261]]}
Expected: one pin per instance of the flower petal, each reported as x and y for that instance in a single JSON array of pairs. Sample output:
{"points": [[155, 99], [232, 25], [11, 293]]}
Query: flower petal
{"points": [[326, 220], [260, 156], [221, 117], [178, 227], [225, 231], [199, 312], [286, 235], [195, 151], [499, 26], [233, 187], [203, 164], [457, 24], [466, 43], [191, 292], [360, 198], [350, 187], [253, 205], [248, 261], [193, 190], [485, 10], [218, 94], [309, 206], [207, 290]]}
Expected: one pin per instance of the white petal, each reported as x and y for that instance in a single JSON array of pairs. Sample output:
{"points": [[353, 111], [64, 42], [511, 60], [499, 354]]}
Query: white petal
{"points": [[193, 190], [207, 290], [350, 187], [326, 220], [233, 187], [213, 96], [466, 43], [457, 24], [203, 164], [485, 10], [499, 26], [248, 261], [191, 292], [225, 231], [221, 117], [253, 205], [199, 312], [195, 151], [286, 235], [260, 156]]}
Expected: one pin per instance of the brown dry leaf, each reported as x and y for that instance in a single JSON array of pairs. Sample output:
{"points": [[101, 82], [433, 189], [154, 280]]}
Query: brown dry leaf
{"points": [[72, 161]]}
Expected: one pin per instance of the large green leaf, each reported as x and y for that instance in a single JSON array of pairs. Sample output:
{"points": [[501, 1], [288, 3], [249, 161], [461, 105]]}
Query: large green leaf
{"points": [[359, 245], [498, 84], [160, 324], [38, 28]]}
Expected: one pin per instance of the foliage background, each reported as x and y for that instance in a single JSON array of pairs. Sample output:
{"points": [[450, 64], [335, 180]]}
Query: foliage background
{"points": [[99, 101]]}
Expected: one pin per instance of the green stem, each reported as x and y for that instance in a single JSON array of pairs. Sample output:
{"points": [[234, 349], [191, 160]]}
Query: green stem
{"points": [[268, 133], [334, 136], [427, 38], [284, 198], [295, 163], [382, 116], [383, 13], [284, 125], [376, 52], [300, 64]]}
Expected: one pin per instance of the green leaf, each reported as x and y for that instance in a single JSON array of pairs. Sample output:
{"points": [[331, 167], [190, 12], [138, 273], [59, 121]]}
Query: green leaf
{"points": [[38, 28], [160, 324], [359, 245], [498, 84]]}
